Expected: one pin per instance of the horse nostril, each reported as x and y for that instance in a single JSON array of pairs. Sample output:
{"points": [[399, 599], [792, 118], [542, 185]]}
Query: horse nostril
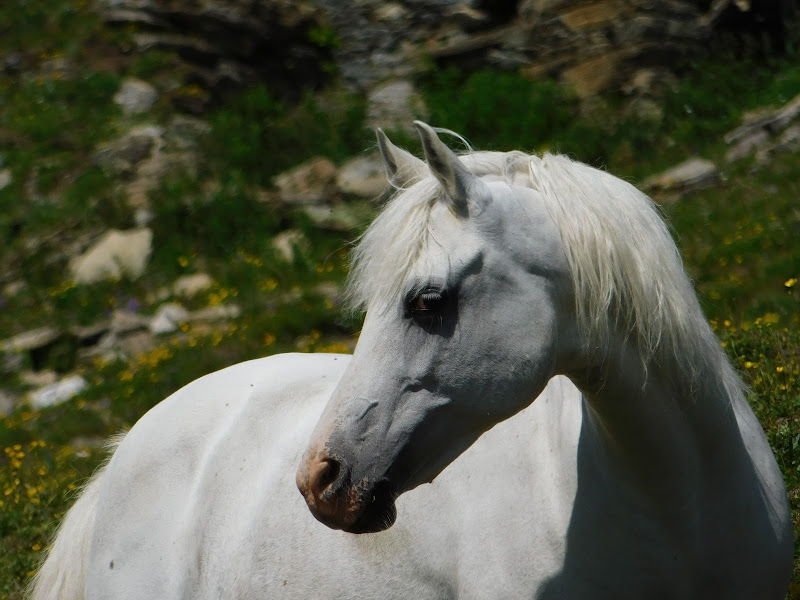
{"points": [[326, 478]]}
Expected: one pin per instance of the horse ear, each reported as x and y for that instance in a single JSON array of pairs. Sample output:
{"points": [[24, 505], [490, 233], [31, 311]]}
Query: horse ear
{"points": [[401, 167], [459, 183]]}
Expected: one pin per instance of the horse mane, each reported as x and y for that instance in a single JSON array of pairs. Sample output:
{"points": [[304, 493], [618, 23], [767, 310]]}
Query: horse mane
{"points": [[627, 272]]}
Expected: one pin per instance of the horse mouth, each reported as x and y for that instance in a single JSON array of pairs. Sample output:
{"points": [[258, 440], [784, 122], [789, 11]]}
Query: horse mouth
{"points": [[379, 512]]}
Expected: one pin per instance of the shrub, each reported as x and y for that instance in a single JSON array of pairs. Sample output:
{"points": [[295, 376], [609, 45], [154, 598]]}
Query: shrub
{"points": [[497, 110], [257, 136]]}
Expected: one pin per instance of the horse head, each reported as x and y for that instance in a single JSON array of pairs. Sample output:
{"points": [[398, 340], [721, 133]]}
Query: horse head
{"points": [[469, 306]]}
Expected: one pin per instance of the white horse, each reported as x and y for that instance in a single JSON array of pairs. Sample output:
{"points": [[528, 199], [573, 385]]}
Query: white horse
{"points": [[490, 280]]}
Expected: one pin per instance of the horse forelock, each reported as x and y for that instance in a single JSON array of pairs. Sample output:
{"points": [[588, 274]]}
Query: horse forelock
{"points": [[385, 254], [626, 270]]}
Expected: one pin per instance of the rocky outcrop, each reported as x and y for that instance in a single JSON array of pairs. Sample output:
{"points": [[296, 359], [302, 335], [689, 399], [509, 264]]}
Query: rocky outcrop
{"points": [[141, 157], [765, 132], [592, 45], [233, 43]]}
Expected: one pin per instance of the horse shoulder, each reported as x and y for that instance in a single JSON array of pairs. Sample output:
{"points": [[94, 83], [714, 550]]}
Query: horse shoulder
{"points": [[162, 474]]}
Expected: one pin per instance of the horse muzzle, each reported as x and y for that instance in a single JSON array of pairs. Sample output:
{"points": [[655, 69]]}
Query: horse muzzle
{"points": [[335, 499]]}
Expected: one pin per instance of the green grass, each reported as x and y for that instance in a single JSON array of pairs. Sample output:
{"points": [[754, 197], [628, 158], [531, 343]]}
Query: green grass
{"points": [[470, 104], [767, 353], [256, 136], [740, 243]]}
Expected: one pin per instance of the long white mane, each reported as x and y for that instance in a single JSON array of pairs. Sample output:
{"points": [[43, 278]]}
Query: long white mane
{"points": [[627, 272]]}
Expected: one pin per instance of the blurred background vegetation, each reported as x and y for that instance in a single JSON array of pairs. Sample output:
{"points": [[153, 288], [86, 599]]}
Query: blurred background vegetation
{"points": [[740, 238]]}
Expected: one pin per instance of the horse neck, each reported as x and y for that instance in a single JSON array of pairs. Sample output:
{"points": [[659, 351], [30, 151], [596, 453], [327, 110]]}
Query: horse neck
{"points": [[657, 429]]}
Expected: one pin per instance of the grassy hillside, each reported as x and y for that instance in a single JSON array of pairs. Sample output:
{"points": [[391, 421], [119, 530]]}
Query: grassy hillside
{"points": [[739, 240]]}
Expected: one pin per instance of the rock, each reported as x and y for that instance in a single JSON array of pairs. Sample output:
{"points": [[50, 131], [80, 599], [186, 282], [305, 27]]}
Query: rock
{"points": [[291, 46], [167, 318], [391, 11], [595, 74], [646, 109], [220, 312], [125, 321], [469, 18], [187, 286], [394, 105], [30, 340], [7, 403], [11, 363], [771, 121], [183, 132], [337, 218], [5, 178], [38, 378], [43, 348], [362, 176], [308, 183], [122, 155], [135, 96], [783, 117], [289, 242], [461, 44], [790, 138], [758, 132], [114, 255], [594, 15], [90, 336], [143, 216], [15, 287], [650, 82], [173, 151], [135, 344], [693, 173], [789, 141], [91, 442], [537, 7], [230, 45], [747, 145], [58, 392], [13, 62], [125, 334], [330, 291]]}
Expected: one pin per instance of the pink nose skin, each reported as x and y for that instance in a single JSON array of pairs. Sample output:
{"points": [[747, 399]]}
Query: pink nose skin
{"points": [[322, 481]]}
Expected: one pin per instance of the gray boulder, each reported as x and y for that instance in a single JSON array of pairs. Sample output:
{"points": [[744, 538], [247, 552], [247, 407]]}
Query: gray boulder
{"points": [[114, 255]]}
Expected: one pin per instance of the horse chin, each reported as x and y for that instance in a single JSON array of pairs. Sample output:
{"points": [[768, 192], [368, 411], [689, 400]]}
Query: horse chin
{"points": [[378, 515]]}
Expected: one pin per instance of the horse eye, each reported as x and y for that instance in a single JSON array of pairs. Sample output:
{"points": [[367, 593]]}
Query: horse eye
{"points": [[427, 308], [428, 302]]}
